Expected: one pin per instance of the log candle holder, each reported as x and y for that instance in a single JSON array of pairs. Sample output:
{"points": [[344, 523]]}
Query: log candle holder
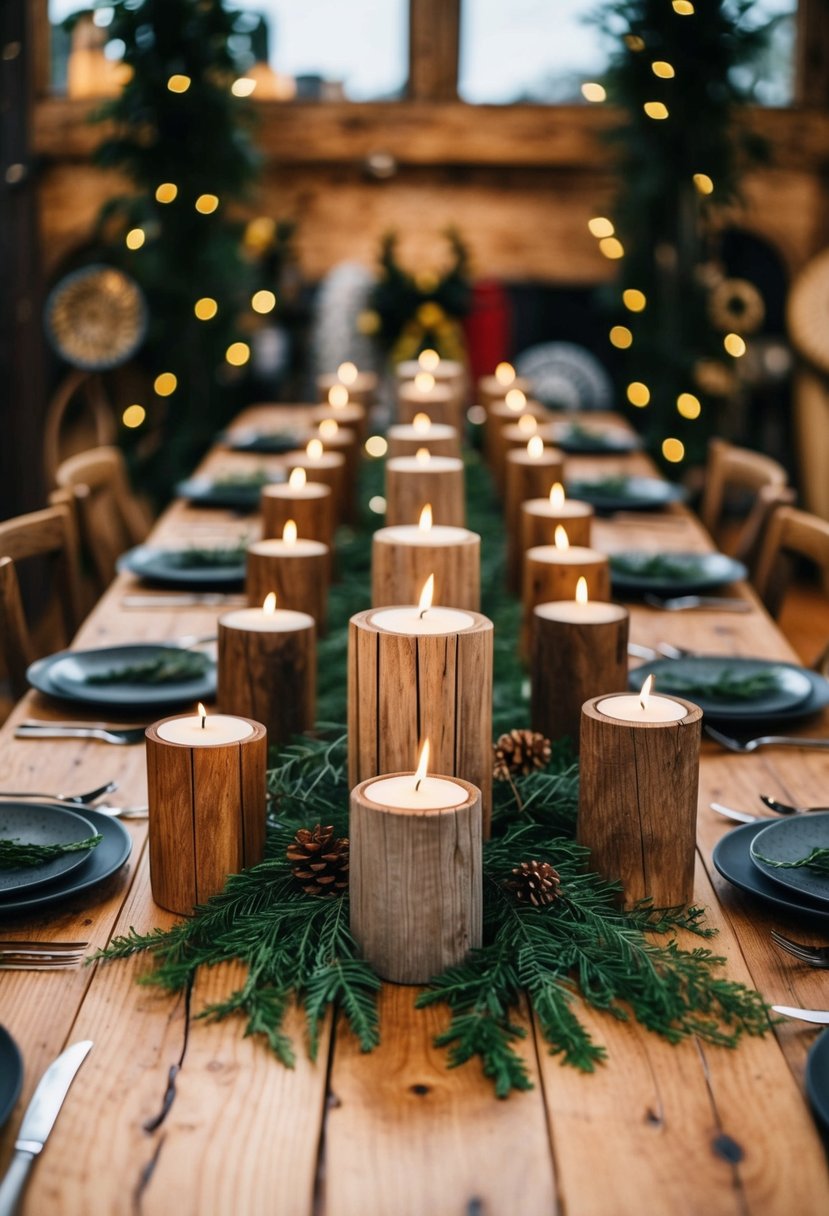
{"points": [[403, 557], [360, 387], [341, 410], [552, 572], [514, 405], [295, 568], [406, 439], [495, 387], [638, 794], [307, 503], [531, 472], [439, 401], [538, 520], [327, 468], [206, 794], [412, 481]]}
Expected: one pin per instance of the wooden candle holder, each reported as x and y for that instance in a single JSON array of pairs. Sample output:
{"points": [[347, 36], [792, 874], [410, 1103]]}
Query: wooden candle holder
{"points": [[415, 885], [490, 389], [362, 391], [207, 814], [529, 477], [572, 660], [410, 484], [344, 441], [327, 470], [537, 525], [400, 567], [547, 577], [309, 507], [404, 688], [439, 439], [449, 372], [499, 415], [638, 802], [441, 403], [514, 438], [351, 415], [269, 675], [297, 573]]}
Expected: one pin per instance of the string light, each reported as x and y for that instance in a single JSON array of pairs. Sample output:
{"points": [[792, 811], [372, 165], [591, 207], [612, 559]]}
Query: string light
{"points": [[688, 406], [166, 192], [621, 337], [703, 183], [179, 83], [263, 301], [601, 226], [734, 345], [243, 87], [133, 416], [683, 7], [135, 238], [655, 109], [237, 354], [376, 445], [634, 43], [673, 450], [205, 308], [638, 394], [165, 384], [206, 204], [591, 91], [377, 504], [665, 71], [633, 299], [612, 248]]}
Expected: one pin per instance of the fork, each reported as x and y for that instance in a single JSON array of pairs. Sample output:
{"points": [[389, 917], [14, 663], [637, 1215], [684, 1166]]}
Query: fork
{"points": [[783, 808], [751, 745], [814, 956], [682, 603], [80, 730], [41, 956], [75, 799]]}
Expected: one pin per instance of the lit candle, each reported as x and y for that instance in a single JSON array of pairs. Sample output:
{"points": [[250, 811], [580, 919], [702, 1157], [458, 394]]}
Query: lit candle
{"points": [[416, 791], [448, 372], [405, 438], [402, 557], [507, 411], [412, 481], [360, 386], [423, 393], [201, 730], [293, 567], [423, 619], [494, 388], [529, 472], [307, 503], [337, 438], [643, 707], [552, 573], [325, 467]]}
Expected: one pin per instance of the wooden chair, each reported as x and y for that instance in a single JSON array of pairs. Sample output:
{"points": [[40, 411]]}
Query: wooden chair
{"points": [[790, 533], [733, 469], [110, 517], [79, 414], [47, 534]]}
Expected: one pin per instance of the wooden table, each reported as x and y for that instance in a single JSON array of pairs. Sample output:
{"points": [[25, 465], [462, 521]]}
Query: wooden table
{"points": [[659, 1129]]}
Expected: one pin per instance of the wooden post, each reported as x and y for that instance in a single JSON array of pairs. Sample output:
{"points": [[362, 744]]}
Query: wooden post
{"points": [[406, 439], [207, 814], [402, 559], [553, 574], [297, 571], [537, 524], [412, 482], [415, 883], [577, 652], [269, 674], [638, 802], [404, 687]]}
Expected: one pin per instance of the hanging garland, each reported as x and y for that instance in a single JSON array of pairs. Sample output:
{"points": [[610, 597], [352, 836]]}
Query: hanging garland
{"points": [[553, 930]]}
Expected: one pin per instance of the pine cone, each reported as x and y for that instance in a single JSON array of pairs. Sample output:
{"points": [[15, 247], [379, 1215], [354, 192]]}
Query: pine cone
{"points": [[319, 861], [519, 752], [535, 882]]}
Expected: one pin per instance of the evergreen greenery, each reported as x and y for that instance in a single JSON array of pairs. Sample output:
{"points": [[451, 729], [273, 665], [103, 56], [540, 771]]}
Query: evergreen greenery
{"points": [[17, 854], [817, 859], [167, 668]]}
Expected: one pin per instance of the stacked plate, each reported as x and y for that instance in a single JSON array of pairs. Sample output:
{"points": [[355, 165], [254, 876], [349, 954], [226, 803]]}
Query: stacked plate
{"points": [[262, 443], [740, 692], [608, 494], [196, 568], [11, 1074], [747, 857], [636, 572], [31, 887], [576, 439], [118, 677], [232, 493]]}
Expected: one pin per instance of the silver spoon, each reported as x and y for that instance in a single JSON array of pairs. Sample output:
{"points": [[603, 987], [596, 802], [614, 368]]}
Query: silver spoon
{"points": [[75, 799], [784, 808]]}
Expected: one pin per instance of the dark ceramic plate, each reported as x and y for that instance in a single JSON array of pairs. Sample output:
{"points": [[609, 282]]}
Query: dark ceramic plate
{"points": [[11, 1074], [263, 443], [62, 675], [789, 840], [627, 494], [232, 495], [791, 690], [732, 858], [817, 1079], [594, 441], [41, 825], [162, 566], [689, 573]]}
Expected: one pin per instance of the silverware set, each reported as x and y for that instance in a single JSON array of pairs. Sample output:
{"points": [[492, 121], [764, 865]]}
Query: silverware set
{"points": [[190, 599], [780, 808], [687, 603], [89, 800], [813, 956], [41, 956], [751, 745], [105, 731]]}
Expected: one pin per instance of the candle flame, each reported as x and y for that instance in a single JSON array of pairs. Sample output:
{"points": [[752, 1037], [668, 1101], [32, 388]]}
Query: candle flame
{"points": [[202, 712], [422, 764], [562, 539], [328, 428], [424, 382], [581, 591], [421, 424], [527, 425], [297, 479], [426, 595], [516, 400], [423, 455], [425, 521], [645, 692], [289, 532], [504, 374], [557, 496], [535, 448], [338, 395], [347, 373], [269, 604], [428, 360], [314, 449]]}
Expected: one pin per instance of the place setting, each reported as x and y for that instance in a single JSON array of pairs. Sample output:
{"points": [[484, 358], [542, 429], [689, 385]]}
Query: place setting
{"points": [[643, 573], [190, 566], [579, 439], [260, 441], [621, 492], [235, 490]]}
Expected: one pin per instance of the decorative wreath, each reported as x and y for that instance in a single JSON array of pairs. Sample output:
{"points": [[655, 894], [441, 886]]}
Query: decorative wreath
{"points": [[735, 305], [96, 318]]}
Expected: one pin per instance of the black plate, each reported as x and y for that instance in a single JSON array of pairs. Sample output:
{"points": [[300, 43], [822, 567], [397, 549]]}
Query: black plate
{"points": [[732, 858], [155, 565], [41, 825], [11, 1074], [705, 572], [129, 697], [594, 440], [817, 1079], [794, 688], [640, 494], [108, 857], [263, 443], [234, 496]]}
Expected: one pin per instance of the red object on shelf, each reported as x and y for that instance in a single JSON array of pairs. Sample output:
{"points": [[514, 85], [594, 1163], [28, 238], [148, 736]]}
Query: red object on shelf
{"points": [[488, 328]]}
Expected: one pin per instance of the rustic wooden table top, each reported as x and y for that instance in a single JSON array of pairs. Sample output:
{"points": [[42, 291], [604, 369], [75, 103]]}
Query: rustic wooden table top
{"points": [[659, 1129]]}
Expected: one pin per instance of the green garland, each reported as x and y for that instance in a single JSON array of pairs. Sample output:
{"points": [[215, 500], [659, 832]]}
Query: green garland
{"points": [[583, 947], [17, 854]]}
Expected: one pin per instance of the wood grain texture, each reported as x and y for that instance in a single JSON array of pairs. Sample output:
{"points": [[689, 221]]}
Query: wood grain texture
{"points": [[415, 884], [269, 676], [537, 526], [548, 578], [399, 570], [528, 477], [327, 470], [411, 484], [443, 404], [311, 510], [638, 802], [299, 580], [440, 439]]}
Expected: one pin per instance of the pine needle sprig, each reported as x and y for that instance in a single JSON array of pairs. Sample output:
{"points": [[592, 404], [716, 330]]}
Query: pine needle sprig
{"points": [[23, 855]]}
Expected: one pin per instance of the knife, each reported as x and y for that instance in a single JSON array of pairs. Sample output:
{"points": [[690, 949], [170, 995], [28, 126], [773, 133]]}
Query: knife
{"points": [[730, 813], [38, 1122], [821, 1016]]}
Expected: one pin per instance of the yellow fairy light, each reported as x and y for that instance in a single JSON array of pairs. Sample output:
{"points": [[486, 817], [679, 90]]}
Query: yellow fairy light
{"points": [[612, 248], [205, 308], [591, 91], [428, 360], [338, 396], [263, 301], [683, 7], [515, 400], [688, 405], [601, 226], [377, 504], [243, 87], [638, 394], [206, 204], [165, 383], [424, 382], [347, 373], [133, 416], [166, 192], [179, 83], [634, 43], [734, 344], [703, 183], [673, 450], [665, 71], [621, 337], [504, 374], [655, 109], [237, 354], [633, 299], [376, 445], [135, 238]]}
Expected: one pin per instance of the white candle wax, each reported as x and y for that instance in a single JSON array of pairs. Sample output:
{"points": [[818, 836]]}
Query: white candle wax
{"points": [[288, 548], [411, 534], [594, 612], [311, 489], [399, 793], [629, 709], [576, 555], [435, 464], [424, 396], [217, 729], [435, 430], [444, 369], [571, 508], [548, 455], [283, 620], [301, 460], [434, 620]]}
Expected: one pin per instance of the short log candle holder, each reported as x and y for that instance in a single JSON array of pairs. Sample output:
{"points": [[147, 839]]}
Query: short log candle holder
{"points": [[327, 468], [416, 674], [415, 874], [449, 373], [206, 795], [403, 557], [552, 572], [360, 387], [342, 439], [538, 520], [293, 567], [505, 412], [439, 401], [268, 668], [495, 387], [307, 503], [412, 481], [531, 472], [406, 439], [639, 778], [578, 650], [338, 408]]}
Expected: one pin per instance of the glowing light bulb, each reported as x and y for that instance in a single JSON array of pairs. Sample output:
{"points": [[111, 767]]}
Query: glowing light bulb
{"points": [[422, 764], [703, 183], [673, 450], [314, 449], [638, 394], [206, 204], [269, 604], [205, 308], [347, 373], [557, 496], [634, 300], [734, 344], [376, 445], [297, 479], [243, 87], [165, 384], [133, 416], [515, 400], [504, 374], [421, 423], [688, 406], [621, 337], [428, 360], [611, 248], [424, 382], [263, 301], [338, 396], [135, 238], [655, 109], [535, 448], [581, 590], [591, 91], [179, 83], [562, 540], [289, 532], [166, 192], [237, 354], [662, 69], [425, 521]]}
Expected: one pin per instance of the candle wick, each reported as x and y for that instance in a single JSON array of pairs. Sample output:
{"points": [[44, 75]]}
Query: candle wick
{"points": [[422, 613], [203, 723], [417, 783]]}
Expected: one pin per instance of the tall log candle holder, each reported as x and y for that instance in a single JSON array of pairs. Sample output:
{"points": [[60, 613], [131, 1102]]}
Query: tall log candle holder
{"points": [[537, 523], [639, 777], [412, 481], [413, 676], [531, 472], [439, 401], [407, 438], [293, 567], [307, 503], [327, 468], [403, 557], [361, 386], [552, 572], [206, 795], [343, 411]]}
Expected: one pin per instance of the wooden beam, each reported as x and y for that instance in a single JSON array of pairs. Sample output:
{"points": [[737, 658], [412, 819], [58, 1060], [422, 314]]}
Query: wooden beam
{"points": [[434, 48]]}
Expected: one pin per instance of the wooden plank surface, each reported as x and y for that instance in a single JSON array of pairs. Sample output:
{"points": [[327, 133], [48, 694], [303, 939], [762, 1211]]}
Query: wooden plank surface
{"points": [[659, 1129]]}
